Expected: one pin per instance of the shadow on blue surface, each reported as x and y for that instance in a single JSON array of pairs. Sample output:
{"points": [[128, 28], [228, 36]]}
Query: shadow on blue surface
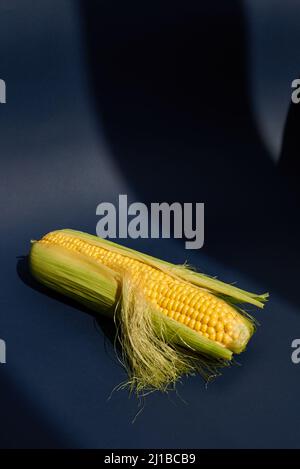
{"points": [[25, 426], [170, 85]]}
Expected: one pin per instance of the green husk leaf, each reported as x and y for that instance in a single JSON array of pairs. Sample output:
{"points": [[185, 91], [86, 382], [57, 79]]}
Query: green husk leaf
{"points": [[76, 276]]}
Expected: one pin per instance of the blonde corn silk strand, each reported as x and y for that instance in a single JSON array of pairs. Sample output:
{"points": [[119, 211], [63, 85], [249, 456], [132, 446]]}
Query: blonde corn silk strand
{"points": [[152, 363]]}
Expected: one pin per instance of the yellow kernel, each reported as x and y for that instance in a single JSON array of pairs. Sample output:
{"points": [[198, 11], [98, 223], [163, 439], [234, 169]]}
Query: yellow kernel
{"points": [[189, 299], [171, 314], [197, 326], [181, 318], [200, 317], [187, 320], [153, 295], [185, 309], [197, 307], [212, 322], [205, 319], [182, 298], [203, 327], [228, 327], [210, 330], [194, 300], [192, 323], [219, 336], [195, 314], [176, 316], [226, 339], [209, 311], [175, 294]]}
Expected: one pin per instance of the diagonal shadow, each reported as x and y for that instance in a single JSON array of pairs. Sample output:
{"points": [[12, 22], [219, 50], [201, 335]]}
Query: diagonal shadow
{"points": [[170, 84]]}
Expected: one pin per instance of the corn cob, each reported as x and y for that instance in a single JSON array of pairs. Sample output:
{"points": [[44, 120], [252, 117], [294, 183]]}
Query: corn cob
{"points": [[168, 315]]}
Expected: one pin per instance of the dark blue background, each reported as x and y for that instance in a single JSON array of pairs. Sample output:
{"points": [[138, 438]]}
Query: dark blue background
{"points": [[152, 100]]}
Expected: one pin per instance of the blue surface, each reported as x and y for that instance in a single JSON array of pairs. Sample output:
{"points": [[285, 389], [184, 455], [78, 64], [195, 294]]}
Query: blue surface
{"points": [[60, 157]]}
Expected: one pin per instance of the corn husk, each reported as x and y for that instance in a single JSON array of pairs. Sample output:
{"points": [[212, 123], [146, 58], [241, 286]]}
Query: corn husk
{"points": [[156, 350]]}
